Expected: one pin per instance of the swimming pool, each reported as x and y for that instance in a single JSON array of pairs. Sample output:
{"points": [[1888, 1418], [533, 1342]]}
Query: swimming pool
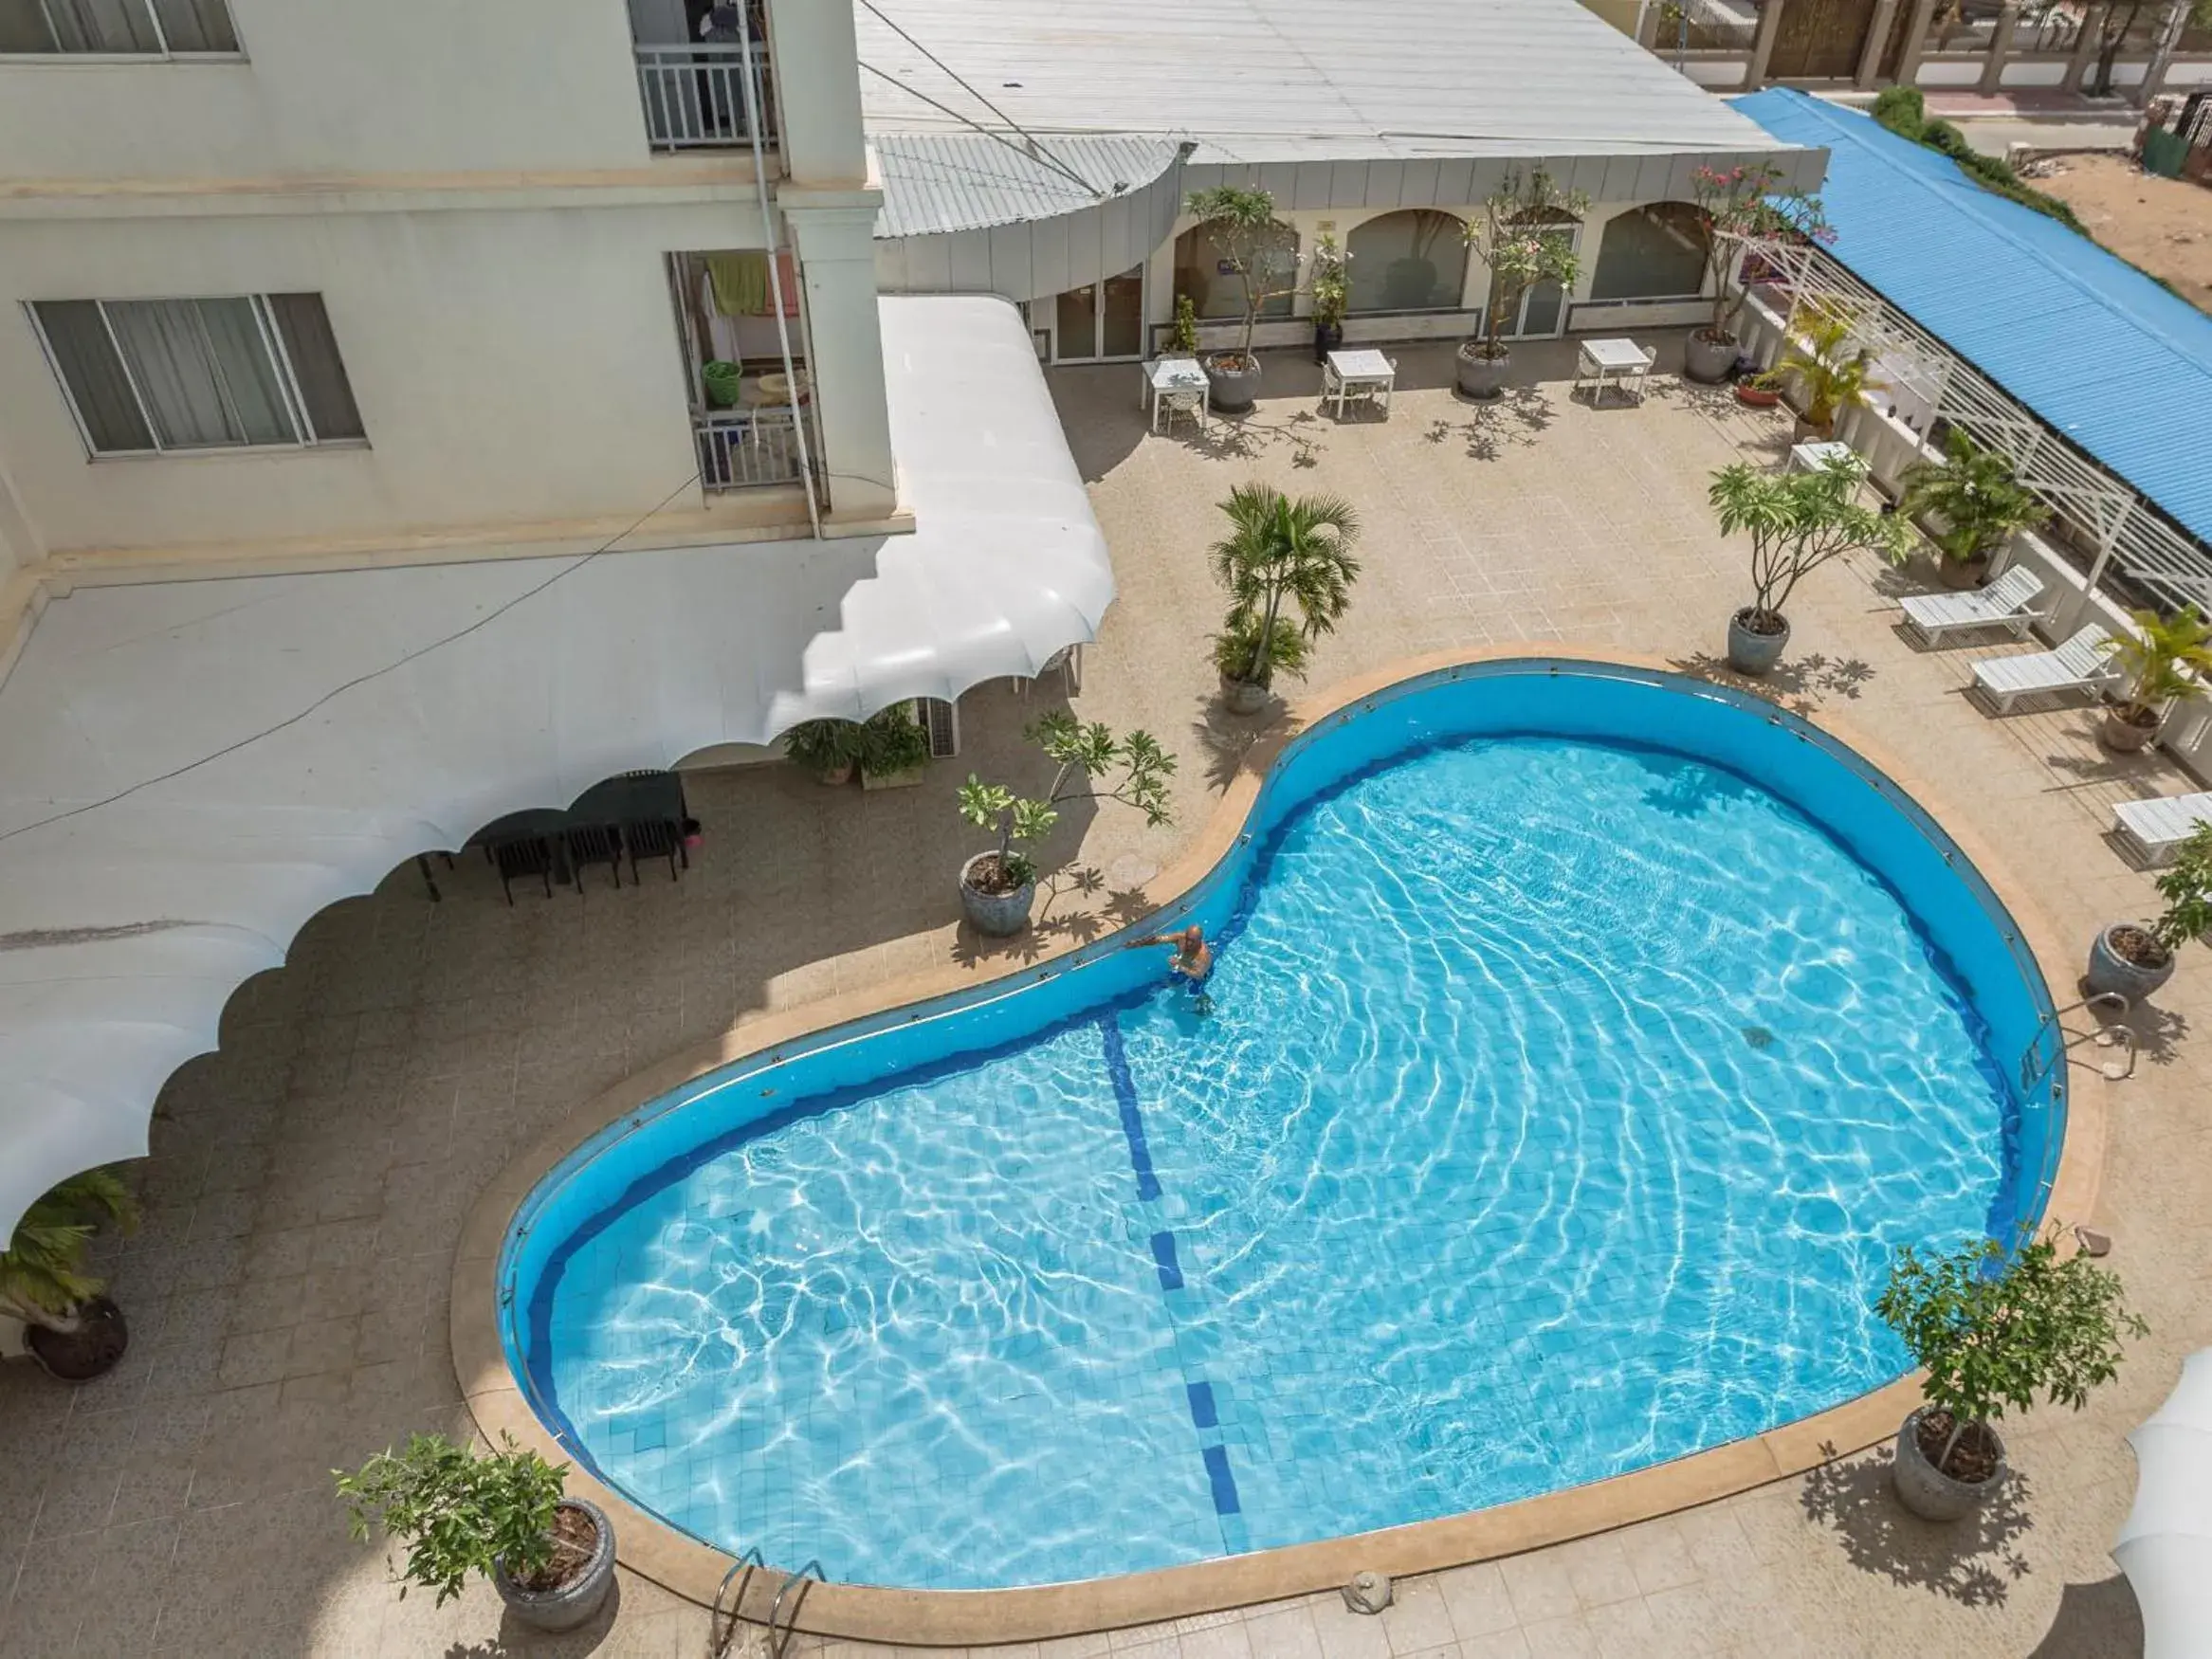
{"points": [[1562, 1094]]}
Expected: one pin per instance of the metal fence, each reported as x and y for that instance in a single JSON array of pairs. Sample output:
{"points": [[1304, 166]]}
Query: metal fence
{"points": [[701, 97], [747, 449]]}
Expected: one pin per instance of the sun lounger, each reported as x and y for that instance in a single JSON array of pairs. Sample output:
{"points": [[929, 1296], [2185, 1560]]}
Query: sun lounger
{"points": [[2009, 602], [2153, 829], [2082, 664]]}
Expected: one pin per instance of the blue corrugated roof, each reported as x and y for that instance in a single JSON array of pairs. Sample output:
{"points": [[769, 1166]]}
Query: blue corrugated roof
{"points": [[2094, 347]]}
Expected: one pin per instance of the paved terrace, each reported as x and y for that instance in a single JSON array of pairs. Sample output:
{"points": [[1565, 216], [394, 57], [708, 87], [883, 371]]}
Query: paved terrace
{"points": [[289, 1290]]}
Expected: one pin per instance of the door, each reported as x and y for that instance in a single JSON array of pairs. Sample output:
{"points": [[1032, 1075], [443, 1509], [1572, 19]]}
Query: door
{"points": [[1102, 322], [1543, 311]]}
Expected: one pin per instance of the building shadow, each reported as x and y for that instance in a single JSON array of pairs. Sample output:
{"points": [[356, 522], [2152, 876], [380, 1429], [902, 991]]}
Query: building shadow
{"points": [[1974, 1562], [1227, 740], [2095, 1621]]}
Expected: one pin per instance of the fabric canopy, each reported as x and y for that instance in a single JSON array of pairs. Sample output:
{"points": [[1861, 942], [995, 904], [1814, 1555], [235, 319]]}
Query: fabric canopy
{"points": [[2165, 1543], [125, 927]]}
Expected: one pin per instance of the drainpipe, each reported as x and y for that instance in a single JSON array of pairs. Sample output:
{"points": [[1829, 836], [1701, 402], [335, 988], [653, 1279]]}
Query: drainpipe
{"points": [[769, 229]]}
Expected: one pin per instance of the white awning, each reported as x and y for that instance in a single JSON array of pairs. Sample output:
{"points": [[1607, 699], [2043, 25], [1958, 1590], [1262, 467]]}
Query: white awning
{"points": [[338, 752]]}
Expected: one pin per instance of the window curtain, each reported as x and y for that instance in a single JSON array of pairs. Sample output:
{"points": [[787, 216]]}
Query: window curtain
{"points": [[93, 374], [203, 370], [1414, 259], [316, 368], [1652, 252], [196, 26]]}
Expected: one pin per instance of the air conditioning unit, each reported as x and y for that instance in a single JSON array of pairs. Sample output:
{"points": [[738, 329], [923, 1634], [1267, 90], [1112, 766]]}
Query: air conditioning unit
{"points": [[942, 720]]}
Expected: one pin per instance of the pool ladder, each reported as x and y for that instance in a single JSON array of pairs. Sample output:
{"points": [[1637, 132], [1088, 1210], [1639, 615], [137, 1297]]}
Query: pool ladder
{"points": [[2119, 1032], [725, 1621]]}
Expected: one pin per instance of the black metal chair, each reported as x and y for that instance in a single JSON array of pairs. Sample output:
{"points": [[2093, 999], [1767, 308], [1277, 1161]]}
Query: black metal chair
{"points": [[595, 844], [526, 855], [655, 838]]}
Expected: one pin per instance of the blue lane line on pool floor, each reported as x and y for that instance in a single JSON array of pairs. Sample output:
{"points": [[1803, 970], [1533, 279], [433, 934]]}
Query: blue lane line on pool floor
{"points": [[1205, 1409]]}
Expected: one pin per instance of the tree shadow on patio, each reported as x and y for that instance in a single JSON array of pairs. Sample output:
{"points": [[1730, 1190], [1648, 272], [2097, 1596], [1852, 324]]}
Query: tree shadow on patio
{"points": [[1973, 1562], [1228, 740], [1248, 437], [1512, 421], [1799, 685], [2095, 1621]]}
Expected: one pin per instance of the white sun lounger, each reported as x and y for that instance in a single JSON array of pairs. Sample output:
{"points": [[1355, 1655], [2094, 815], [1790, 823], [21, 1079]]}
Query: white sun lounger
{"points": [[2082, 664], [2009, 602], [2153, 829]]}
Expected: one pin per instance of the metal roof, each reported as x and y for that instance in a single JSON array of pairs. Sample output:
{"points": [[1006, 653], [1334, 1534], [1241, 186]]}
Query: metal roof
{"points": [[938, 182], [1292, 80], [2106, 356]]}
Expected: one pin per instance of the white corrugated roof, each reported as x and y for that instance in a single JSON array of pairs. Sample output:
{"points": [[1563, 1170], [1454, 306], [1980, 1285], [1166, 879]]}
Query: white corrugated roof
{"points": [[940, 182], [1293, 79]]}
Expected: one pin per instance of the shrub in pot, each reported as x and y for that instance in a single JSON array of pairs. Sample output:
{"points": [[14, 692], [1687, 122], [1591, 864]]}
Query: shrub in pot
{"points": [[1822, 367], [1091, 763], [1281, 554], [1741, 205], [1797, 521], [1524, 235], [1182, 337], [827, 748], [1993, 1329], [2135, 959], [2164, 659], [499, 1514], [70, 1325], [1330, 288], [894, 750], [1243, 225], [1978, 499]]}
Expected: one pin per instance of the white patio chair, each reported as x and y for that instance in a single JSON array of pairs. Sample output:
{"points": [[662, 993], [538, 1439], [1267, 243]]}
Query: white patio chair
{"points": [[1650, 360], [2009, 602], [1184, 400], [2082, 664], [2155, 830], [1067, 661], [1586, 368]]}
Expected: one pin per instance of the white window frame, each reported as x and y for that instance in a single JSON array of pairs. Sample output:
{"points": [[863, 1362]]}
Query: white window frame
{"points": [[61, 55], [272, 339]]}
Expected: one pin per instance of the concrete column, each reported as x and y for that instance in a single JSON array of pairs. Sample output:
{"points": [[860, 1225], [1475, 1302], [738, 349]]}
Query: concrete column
{"points": [[1915, 42], [1763, 43], [817, 80], [1647, 25], [1877, 36], [836, 254], [1999, 47], [2093, 25]]}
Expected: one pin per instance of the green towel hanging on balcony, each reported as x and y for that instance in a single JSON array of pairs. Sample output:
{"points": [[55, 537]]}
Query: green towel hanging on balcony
{"points": [[741, 283]]}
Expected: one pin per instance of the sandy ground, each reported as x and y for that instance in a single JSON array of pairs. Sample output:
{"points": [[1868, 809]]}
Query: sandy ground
{"points": [[2161, 224]]}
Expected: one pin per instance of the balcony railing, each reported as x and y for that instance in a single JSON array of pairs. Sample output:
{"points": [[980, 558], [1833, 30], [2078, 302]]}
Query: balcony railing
{"points": [[697, 97], [747, 449]]}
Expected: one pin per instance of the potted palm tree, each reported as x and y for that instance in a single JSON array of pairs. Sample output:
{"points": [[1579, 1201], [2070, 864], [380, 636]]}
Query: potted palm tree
{"points": [[1280, 551], [70, 1325], [1091, 763], [1978, 500], [1243, 225], [1741, 205], [1331, 289], [1524, 235], [1822, 367], [827, 748], [1797, 521], [2162, 659], [499, 1514], [2137, 958], [1993, 1330]]}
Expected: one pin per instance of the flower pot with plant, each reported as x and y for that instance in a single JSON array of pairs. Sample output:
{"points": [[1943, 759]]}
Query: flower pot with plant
{"points": [[1242, 224], [1524, 235], [894, 750], [1091, 764], [1330, 288], [1977, 502], [499, 1515], [2165, 661], [1282, 553], [1820, 365], [70, 1325], [827, 748], [1183, 334], [2135, 959], [1797, 521], [1741, 206], [1993, 1329]]}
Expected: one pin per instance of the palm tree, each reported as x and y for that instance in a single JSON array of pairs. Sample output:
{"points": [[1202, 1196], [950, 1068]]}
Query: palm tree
{"points": [[43, 1276], [1828, 372], [2165, 659], [1974, 491], [1284, 549]]}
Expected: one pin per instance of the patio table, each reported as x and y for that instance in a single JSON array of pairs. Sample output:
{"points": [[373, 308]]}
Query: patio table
{"points": [[1170, 374], [1623, 359], [1812, 457], [1361, 370]]}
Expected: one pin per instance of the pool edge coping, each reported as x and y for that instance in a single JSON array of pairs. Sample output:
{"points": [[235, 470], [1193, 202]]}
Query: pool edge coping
{"points": [[653, 1548]]}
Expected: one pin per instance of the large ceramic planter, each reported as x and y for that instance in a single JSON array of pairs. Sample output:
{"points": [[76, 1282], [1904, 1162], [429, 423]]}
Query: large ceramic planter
{"points": [[1751, 652], [574, 1602], [1327, 337], [1243, 696], [1708, 360], [1233, 390], [1480, 377], [93, 1349], [1960, 574], [1927, 1491], [995, 915], [2122, 735], [2109, 971]]}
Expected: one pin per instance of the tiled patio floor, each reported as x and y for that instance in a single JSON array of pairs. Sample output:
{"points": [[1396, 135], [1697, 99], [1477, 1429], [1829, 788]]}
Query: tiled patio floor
{"points": [[287, 1292]]}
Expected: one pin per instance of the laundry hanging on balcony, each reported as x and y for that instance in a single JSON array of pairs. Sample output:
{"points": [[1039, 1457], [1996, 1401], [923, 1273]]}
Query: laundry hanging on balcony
{"points": [[741, 287]]}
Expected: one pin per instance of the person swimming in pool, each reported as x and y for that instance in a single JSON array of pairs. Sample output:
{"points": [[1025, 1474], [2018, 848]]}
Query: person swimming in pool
{"points": [[1192, 960]]}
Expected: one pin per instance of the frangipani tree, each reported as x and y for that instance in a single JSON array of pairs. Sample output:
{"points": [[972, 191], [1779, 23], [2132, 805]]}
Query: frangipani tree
{"points": [[1744, 205], [1243, 225], [1525, 235]]}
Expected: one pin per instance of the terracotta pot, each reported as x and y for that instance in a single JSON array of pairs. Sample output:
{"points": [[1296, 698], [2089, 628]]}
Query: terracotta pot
{"points": [[1756, 396]]}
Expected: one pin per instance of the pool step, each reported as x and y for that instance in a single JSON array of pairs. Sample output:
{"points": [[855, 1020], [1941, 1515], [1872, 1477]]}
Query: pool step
{"points": [[728, 1636]]}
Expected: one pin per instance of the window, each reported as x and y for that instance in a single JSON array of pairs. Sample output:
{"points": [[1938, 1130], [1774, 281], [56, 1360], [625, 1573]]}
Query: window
{"points": [[1654, 252], [168, 28], [1410, 261], [1202, 271], [150, 375]]}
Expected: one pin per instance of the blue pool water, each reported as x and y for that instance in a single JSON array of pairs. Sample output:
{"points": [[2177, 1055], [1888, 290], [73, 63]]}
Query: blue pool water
{"points": [[1559, 1106]]}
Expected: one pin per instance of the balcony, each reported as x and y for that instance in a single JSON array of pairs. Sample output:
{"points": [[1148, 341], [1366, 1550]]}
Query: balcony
{"points": [[699, 97], [746, 448]]}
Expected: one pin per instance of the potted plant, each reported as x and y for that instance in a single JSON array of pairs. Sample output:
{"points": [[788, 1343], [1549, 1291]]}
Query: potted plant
{"points": [[1242, 224], [997, 887], [1980, 502], [1741, 205], [70, 1325], [827, 748], [1993, 1330], [2135, 959], [501, 1514], [1820, 365], [1182, 337], [1280, 550], [2163, 660], [1797, 521], [1524, 236], [894, 750], [1331, 288]]}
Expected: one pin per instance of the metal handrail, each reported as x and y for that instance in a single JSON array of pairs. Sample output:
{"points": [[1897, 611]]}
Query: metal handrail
{"points": [[2055, 1021], [719, 1635], [803, 1579]]}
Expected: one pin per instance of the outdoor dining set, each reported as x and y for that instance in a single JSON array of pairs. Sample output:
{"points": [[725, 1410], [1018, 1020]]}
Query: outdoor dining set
{"points": [[632, 816]]}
